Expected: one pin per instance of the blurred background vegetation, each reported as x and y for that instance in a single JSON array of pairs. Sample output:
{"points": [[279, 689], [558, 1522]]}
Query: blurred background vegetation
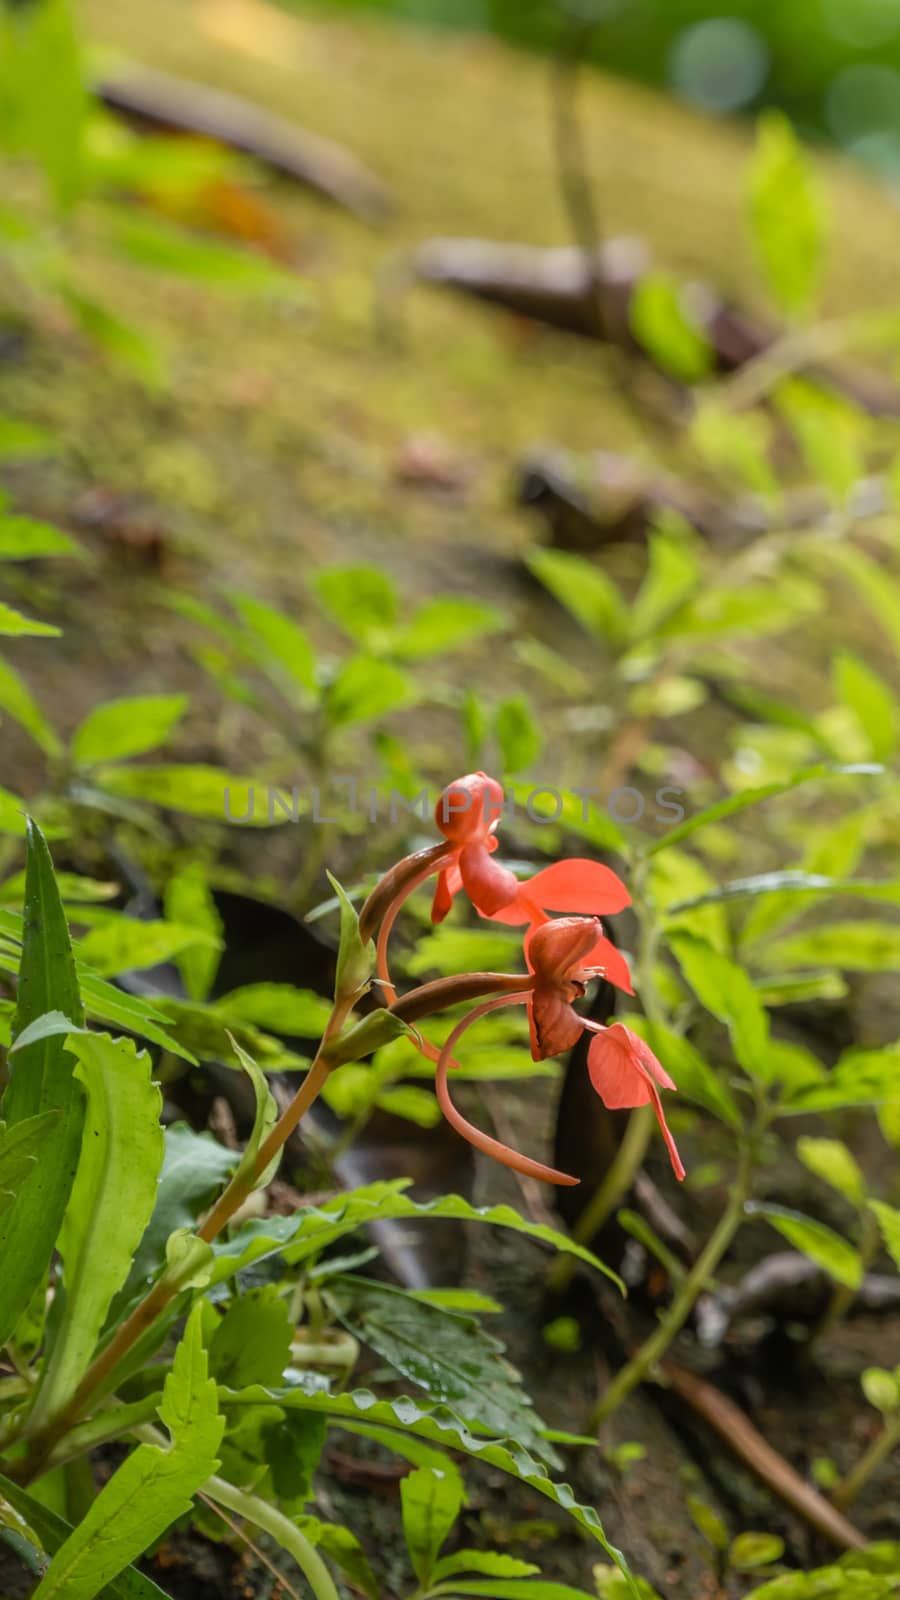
{"points": [[833, 65]]}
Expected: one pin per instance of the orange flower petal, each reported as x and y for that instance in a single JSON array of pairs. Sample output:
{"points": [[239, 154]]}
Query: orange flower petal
{"points": [[579, 886], [625, 1072], [615, 967], [488, 885]]}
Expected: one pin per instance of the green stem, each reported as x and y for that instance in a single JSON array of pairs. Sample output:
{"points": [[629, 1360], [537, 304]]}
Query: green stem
{"points": [[281, 1529], [683, 1304], [881, 1447]]}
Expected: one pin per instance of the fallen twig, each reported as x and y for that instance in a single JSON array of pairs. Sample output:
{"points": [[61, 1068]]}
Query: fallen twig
{"points": [[739, 1433], [160, 101]]}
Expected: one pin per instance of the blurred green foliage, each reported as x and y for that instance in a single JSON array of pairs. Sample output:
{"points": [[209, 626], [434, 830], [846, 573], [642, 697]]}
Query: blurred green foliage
{"points": [[833, 65]]}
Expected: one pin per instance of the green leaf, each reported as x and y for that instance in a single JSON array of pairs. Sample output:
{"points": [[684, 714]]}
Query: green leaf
{"points": [[151, 1488], [519, 738], [418, 1106], [787, 215], [707, 1522], [871, 701], [876, 586], [831, 1161], [252, 1342], [612, 1585], [106, 1003], [830, 431], [670, 337], [25, 539], [881, 1389], [41, 1080], [727, 992], [584, 590], [448, 948], [110, 1205], [344, 1549], [431, 1502], [278, 1007], [679, 885], [123, 944], [444, 625], [459, 1300], [751, 1550], [38, 46], [20, 1147], [366, 688], [279, 643], [849, 946], [264, 1120], [492, 1563], [792, 882], [861, 1078], [889, 1223], [513, 1589], [751, 797], [377, 1028], [17, 701], [355, 959], [361, 600], [436, 1424], [695, 1078], [189, 903], [313, 1229], [53, 1532], [127, 345], [195, 1166], [154, 243], [832, 1253], [19, 440], [799, 987], [14, 624], [826, 1583], [198, 791], [674, 571], [74, 889], [127, 727], [720, 611], [451, 1356]]}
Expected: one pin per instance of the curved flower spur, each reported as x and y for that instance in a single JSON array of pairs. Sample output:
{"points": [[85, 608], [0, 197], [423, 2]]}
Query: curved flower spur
{"points": [[562, 959], [563, 954]]}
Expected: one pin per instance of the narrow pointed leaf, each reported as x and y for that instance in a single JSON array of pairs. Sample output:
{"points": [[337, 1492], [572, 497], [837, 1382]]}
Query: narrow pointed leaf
{"points": [[264, 1120], [431, 1501], [821, 1244], [734, 803], [110, 1206], [151, 1488], [308, 1233], [435, 1423], [53, 1532], [19, 1150], [41, 1080]]}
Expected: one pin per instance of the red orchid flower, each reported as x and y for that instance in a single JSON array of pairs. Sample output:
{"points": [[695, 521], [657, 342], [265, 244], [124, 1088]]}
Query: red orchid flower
{"points": [[468, 814], [561, 957]]}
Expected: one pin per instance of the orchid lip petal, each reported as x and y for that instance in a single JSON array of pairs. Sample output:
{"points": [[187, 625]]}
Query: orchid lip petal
{"points": [[578, 885]]}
